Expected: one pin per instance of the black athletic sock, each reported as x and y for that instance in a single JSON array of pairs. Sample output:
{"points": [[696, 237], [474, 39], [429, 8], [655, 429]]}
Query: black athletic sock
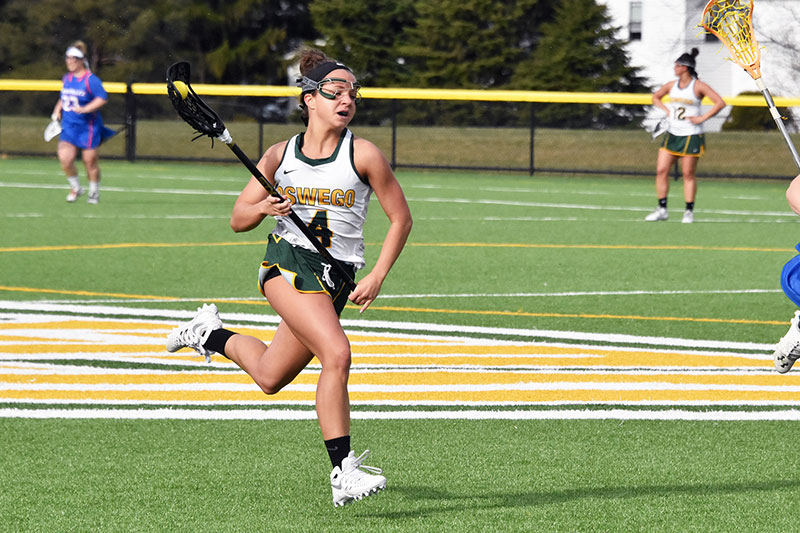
{"points": [[338, 449], [690, 206], [217, 339], [662, 202]]}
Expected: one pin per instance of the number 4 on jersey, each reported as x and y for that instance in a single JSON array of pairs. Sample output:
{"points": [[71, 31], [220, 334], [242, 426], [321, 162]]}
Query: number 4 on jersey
{"points": [[319, 227]]}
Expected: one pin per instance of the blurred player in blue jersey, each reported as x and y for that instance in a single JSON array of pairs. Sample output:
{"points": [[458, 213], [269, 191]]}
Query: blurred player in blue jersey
{"points": [[82, 129], [787, 351]]}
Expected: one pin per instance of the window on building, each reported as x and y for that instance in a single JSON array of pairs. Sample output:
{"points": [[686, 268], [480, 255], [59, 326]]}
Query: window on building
{"points": [[635, 24]]}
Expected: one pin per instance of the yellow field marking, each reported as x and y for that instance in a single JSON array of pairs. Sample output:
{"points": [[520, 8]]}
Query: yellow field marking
{"points": [[86, 293], [549, 379], [450, 397], [115, 246], [124, 245], [575, 315], [432, 378], [107, 337], [600, 246], [108, 325], [424, 309]]}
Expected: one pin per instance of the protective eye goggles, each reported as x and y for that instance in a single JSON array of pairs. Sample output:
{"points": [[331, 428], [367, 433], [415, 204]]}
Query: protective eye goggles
{"points": [[333, 88]]}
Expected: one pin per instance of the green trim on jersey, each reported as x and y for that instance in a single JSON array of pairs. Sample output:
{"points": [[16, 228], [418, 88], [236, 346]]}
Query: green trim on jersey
{"points": [[298, 151]]}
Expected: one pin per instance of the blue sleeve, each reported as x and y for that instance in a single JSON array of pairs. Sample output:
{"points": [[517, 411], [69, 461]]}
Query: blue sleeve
{"points": [[96, 86]]}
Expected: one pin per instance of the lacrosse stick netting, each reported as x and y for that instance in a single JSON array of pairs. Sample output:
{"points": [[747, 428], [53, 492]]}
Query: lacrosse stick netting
{"points": [[731, 21]]}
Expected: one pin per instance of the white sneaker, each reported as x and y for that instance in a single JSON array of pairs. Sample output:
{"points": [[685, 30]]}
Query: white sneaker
{"points": [[787, 351], [94, 197], [659, 214], [196, 332], [351, 482], [688, 216], [74, 193]]}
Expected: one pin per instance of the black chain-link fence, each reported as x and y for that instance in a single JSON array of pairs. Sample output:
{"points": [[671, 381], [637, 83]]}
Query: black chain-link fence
{"points": [[418, 133]]}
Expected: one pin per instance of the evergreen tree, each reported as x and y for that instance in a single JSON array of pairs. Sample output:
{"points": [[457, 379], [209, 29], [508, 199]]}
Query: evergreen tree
{"points": [[578, 51]]}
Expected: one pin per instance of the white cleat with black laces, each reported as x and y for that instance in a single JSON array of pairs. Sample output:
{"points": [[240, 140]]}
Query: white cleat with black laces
{"points": [[787, 351], [354, 480], [195, 333]]}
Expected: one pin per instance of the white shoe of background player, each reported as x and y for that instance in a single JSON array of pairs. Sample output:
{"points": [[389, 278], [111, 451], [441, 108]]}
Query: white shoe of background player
{"points": [[195, 333], [787, 351], [354, 481], [688, 216], [659, 214], [74, 193]]}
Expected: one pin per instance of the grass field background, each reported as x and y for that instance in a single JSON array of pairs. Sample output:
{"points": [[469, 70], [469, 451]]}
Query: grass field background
{"points": [[472, 372], [730, 153]]}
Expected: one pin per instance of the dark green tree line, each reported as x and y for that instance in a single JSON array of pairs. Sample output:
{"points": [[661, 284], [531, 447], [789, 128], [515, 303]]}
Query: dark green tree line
{"points": [[469, 44]]}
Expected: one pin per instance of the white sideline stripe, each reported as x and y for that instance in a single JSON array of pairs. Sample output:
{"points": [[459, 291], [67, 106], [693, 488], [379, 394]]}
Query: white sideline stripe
{"points": [[281, 414], [579, 293], [429, 186], [159, 176], [197, 192], [590, 207], [28, 367], [454, 295], [535, 190], [426, 328], [409, 403], [489, 387], [117, 216]]}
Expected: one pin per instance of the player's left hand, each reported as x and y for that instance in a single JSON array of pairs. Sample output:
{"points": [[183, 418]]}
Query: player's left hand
{"points": [[366, 291]]}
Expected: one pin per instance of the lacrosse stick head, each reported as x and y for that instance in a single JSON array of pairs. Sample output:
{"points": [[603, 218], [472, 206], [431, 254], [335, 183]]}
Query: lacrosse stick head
{"points": [[190, 107], [731, 21], [52, 130]]}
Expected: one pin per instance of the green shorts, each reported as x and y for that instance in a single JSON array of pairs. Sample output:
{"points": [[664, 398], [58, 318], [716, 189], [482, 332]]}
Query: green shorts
{"points": [[691, 145], [306, 271]]}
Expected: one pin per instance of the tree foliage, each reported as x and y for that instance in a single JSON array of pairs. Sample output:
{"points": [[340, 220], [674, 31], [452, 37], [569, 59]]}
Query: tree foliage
{"points": [[565, 45], [578, 51], [240, 41]]}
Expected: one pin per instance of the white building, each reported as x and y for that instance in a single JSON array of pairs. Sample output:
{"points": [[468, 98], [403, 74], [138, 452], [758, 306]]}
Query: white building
{"points": [[661, 30]]}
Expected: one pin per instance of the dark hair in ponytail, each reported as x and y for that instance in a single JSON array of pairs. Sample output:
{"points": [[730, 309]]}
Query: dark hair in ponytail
{"points": [[688, 61]]}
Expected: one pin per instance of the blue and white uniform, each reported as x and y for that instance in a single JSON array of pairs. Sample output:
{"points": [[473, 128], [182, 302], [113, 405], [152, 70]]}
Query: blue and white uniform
{"points": [[86, 131]]}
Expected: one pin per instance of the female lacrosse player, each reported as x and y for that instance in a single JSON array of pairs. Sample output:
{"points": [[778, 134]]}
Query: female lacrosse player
{"points": [[326, 175], [684, 138], [82, 95]]}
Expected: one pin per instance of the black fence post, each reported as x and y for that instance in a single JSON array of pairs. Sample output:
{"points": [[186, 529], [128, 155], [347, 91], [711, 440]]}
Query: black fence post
{"points": [[531, 167], [394, 134], [130, 124], [260, 136]]}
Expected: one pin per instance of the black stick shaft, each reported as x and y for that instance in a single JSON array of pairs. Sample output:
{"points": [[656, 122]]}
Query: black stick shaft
{"points": [[292, 215]]}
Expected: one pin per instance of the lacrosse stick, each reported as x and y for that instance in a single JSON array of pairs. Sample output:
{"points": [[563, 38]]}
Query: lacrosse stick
{"points": [[657, 126], [731, 21], [52, 129], [206, 122]]}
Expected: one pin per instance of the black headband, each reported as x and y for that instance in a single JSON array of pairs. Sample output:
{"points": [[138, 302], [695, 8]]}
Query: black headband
{"points": [[310, 82]]}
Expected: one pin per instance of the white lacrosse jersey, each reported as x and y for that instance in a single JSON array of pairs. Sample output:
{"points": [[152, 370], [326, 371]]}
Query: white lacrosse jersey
{"points": [[328, 195], [683, 103]]}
